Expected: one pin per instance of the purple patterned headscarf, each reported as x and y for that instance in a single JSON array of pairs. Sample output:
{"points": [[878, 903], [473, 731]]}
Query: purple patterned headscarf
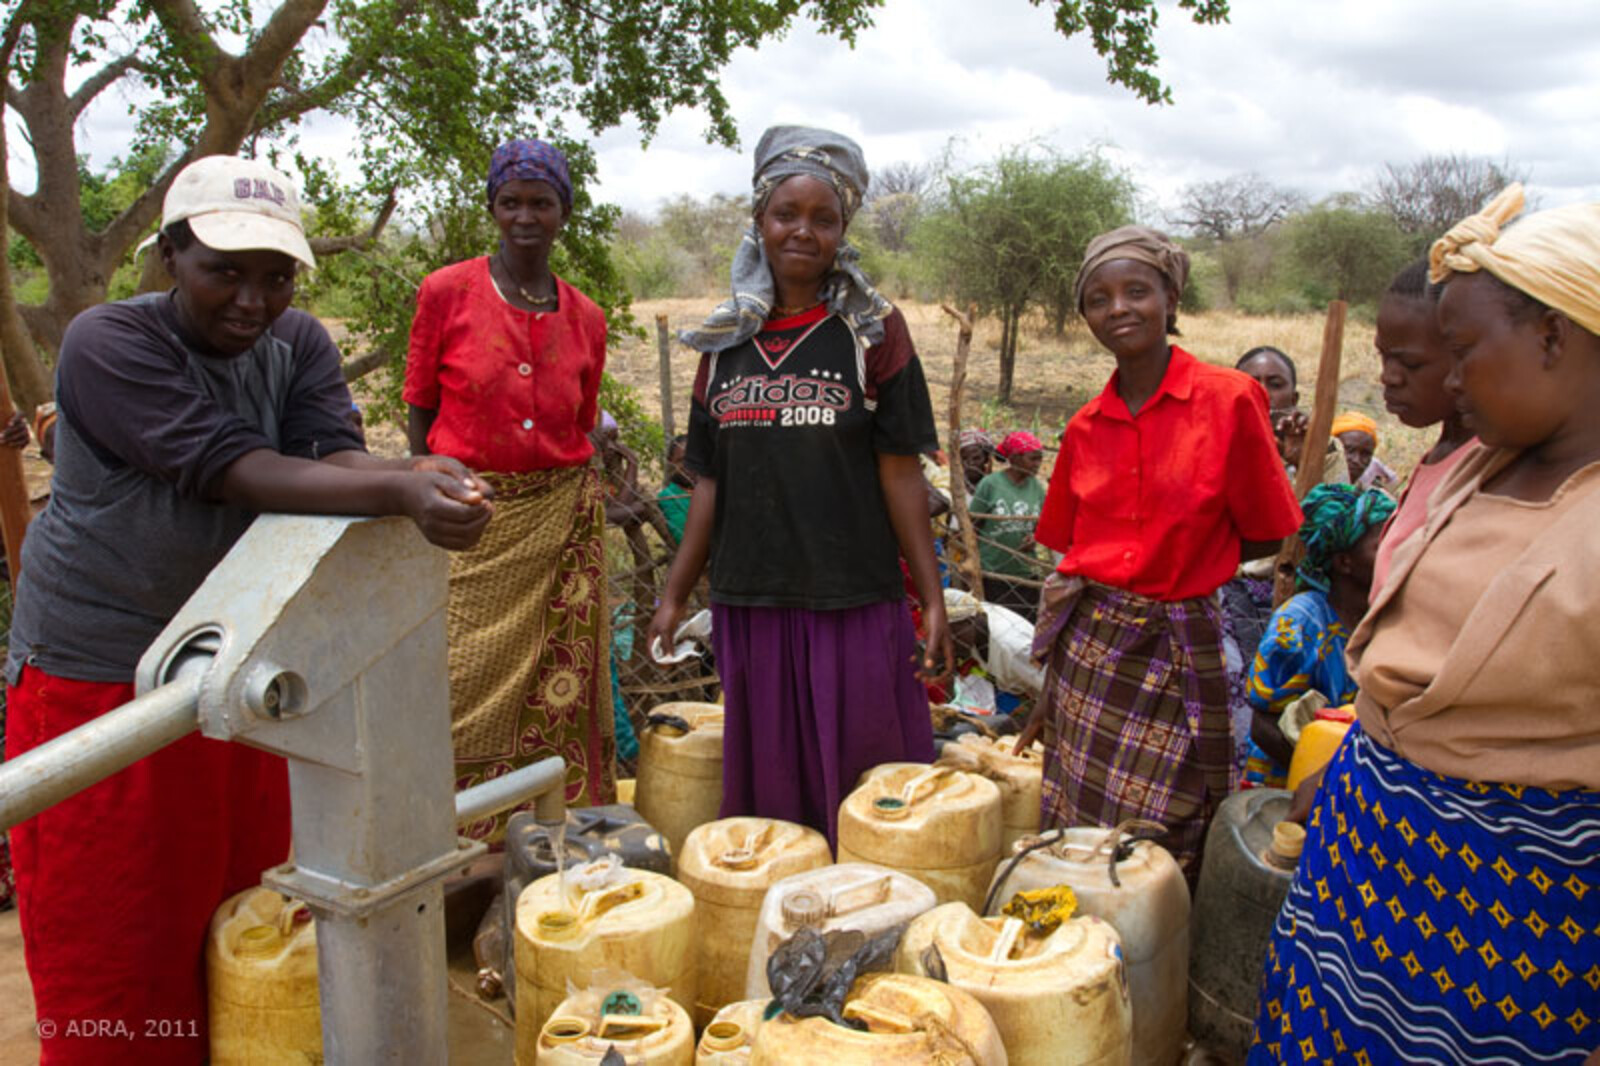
{"points": [[530, 160]]}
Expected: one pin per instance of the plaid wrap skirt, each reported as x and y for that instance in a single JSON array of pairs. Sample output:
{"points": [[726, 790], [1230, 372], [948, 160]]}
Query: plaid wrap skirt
{"points": [[1138, 722]]}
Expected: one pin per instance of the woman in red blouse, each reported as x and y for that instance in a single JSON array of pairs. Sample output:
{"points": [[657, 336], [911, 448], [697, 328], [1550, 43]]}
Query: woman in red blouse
{"points": [[504, 374], [1164, 482]]}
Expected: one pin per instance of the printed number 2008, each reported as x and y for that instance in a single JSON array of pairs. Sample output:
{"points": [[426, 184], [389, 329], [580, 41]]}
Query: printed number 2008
{"points": [[806, 416]]}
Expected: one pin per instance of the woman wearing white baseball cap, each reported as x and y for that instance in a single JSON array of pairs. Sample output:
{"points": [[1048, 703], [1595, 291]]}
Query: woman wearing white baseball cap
{"points": [[182, 415]]}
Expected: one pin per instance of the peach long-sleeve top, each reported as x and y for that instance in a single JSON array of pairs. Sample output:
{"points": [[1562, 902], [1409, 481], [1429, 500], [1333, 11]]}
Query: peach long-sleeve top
{"points": [[1480, 657]]}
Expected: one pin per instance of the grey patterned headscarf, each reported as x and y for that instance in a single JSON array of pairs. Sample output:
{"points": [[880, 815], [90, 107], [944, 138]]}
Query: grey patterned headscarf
{"points": [[782, 153]]}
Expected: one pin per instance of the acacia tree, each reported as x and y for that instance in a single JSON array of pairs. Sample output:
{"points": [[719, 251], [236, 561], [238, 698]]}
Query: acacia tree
{"points": [[1350, 250], [1429, 195], [1012, 234], [430, 85], [1231, 216]]}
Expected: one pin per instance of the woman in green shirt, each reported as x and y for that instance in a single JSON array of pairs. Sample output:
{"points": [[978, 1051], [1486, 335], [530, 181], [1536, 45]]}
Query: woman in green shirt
{"points": [[1009, 500]]}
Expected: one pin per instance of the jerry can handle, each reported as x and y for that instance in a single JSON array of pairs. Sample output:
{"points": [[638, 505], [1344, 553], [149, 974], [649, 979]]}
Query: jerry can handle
{"points": [[874, 890], [879, 1019], [593, 900], [1137, 829], [289, 917], [754, 842], [1006, 940], [908, 794], [637, 1025]]}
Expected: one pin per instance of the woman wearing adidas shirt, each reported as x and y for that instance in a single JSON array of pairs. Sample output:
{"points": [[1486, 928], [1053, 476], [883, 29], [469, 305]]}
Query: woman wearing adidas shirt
{"points": [[809, 412]]}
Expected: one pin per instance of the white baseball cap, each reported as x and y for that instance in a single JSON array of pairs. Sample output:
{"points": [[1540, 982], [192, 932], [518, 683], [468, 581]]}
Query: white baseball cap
{"points": [[237, 205]]}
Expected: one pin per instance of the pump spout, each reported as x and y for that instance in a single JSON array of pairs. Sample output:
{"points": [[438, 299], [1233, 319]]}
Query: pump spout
{"points": [[544, 782]]}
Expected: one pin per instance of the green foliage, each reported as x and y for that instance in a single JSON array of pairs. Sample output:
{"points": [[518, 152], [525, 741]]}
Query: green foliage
{"points": [[1124, 32], [1011, 234], [707, 233], [653, 267], [639, 429], [1345, 251], [430, 87]]}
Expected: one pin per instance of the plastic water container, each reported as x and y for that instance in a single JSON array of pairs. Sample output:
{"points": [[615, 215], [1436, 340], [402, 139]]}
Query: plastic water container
{"points": [[939, 825], [646, 1028], [1143, 895], [1056, 997], [729, 865], [1319, 740], [590, 833], [1020, 778], [1250, 858], [911, 1021], [730, 1039], [607, 918], [854, 895], [680, 769], [261, 978]]}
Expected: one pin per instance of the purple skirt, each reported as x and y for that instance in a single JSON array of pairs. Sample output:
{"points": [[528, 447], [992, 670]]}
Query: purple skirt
{"points": [[814, 699]]}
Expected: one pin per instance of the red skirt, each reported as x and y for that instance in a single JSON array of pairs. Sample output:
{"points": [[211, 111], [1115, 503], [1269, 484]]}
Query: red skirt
{"points": [[116, 885]]}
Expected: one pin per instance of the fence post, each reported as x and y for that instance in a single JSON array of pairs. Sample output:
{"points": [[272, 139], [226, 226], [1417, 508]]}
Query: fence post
{"points": [[1315, 447], [664, 344], [973, 569]]}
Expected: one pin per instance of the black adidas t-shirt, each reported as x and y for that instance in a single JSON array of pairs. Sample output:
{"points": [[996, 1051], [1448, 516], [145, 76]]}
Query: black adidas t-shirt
{"points": [[789, 424]]}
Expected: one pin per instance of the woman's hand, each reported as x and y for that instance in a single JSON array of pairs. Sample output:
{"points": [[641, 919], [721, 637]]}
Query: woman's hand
{"points": [[663, 626], [1305, 796], [938, 656], [1033, 728], [450, 510], [15, 433], [1291, 433], [456, 469]]}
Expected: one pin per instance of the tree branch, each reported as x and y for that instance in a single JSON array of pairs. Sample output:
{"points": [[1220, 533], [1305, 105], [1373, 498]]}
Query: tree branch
{"points": [[362, 365], [358, 241], [184, 22], [24, 213], [101, 80], [123, 230], [357, 62], [279, 38]]}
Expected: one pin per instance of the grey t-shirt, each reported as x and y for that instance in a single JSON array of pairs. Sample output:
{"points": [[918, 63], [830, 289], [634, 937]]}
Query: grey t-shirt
{"points": [[147, 425]]}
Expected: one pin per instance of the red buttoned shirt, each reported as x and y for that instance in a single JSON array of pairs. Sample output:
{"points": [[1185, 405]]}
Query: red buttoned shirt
{"points": [[515, 390], [1157, 503]]}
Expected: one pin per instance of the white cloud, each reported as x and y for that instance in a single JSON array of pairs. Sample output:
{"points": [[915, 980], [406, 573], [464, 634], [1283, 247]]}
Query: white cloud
{"points": [[1317, 96], [1313, 94]]}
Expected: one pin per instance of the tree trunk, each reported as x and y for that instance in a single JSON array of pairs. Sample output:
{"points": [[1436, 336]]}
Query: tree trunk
{"points": [[1008, 351], [30, 384]]}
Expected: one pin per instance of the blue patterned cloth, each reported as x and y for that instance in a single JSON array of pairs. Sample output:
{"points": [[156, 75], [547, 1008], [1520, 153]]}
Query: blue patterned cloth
{"points": [[1435, 920], [530, 160], [1301, 650]]}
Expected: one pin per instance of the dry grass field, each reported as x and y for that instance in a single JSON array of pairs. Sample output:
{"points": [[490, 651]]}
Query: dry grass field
{"points": [[1055, 375]]}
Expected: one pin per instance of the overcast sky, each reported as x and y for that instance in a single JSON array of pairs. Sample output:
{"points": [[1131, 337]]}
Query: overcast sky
{"points": [[1313, 94]]}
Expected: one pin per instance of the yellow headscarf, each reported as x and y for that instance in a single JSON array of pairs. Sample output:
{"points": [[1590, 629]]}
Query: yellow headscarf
{"points": [[1553, 256], [1355, 420]]}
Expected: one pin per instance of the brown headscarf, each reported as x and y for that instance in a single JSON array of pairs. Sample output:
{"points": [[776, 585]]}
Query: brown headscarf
{"points": [[1139, 243]]}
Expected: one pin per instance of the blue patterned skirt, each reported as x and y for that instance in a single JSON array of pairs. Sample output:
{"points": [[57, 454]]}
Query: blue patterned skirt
{"points": [[1435, 920]]}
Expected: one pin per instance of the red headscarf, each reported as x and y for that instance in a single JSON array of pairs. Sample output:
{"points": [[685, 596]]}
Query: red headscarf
{"points": [[1019, 443]]}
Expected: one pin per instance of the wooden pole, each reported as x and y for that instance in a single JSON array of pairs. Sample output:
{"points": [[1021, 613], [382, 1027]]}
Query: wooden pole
{"points": [[15, 510], [664, 344], [971, 568], [1309, 472]]}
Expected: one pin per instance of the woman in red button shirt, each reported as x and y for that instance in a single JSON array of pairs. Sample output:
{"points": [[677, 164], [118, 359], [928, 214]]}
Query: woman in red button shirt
{"points": [[1164, 482], [504, 374]]}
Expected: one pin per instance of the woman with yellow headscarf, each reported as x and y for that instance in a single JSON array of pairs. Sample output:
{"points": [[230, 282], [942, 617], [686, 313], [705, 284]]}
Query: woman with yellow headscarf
{"points": [[1447, 907]]}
